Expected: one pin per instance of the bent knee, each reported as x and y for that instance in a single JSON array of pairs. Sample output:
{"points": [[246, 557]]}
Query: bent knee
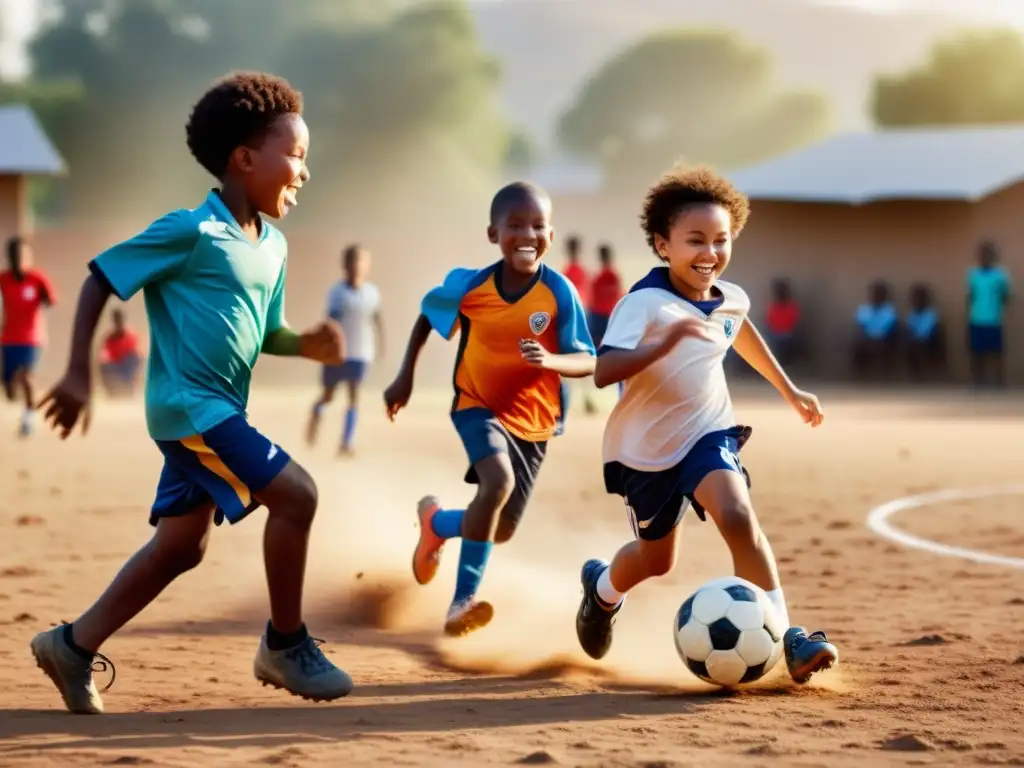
{"points": [[293, 495], [180, 556], [496, 484]]}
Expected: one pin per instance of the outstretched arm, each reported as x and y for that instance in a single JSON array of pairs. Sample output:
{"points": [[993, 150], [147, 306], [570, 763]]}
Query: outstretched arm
{"points": [[397, 395], [751, 346]]}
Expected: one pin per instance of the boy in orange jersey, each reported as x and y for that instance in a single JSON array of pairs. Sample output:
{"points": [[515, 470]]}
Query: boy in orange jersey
{"points": [[522, 328]]}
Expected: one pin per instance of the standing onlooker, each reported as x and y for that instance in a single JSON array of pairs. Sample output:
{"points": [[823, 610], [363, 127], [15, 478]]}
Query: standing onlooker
{"points": [[605, 292], [925, 341], [988, 293], [120, 357], [877, 329], [782, 322], [24, 290], [575, 272]]}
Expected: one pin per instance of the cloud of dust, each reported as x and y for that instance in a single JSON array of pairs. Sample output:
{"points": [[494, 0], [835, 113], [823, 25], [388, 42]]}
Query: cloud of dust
{"points": [[360, 562]]}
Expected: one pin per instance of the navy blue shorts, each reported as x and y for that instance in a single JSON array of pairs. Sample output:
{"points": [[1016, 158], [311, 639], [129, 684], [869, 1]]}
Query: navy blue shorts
{"points": [[17, 357], [986, 339], [225, 465], [597, 325], [349, 370], [656, 501], [483, 435]]}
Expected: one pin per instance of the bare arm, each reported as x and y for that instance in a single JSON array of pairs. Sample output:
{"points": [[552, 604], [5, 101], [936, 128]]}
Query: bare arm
{"points": [[397, 395], [574, 365], [751, 346], [417, 339], [91, 301], [617, 365]]}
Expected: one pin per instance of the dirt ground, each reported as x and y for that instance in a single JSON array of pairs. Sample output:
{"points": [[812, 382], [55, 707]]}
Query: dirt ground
{"points": [[932, 667]]}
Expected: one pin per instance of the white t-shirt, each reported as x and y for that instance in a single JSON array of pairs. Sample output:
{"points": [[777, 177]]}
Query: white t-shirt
{"points": [[354, 308], [666, 408]]}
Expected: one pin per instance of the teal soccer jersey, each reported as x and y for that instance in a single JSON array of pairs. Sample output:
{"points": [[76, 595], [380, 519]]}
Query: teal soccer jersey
{"points": [[212, 296]]}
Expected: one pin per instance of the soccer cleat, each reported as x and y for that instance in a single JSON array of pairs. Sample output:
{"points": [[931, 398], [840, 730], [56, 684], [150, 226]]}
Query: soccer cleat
{"points": [[467, 616], [807, 654], [303, 671], [594, 621], [71, 673], [427, 556]]}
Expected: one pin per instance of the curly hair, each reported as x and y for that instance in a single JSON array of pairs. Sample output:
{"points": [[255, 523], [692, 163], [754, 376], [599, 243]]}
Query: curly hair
{"points": [[239, 109], [683, 187]]}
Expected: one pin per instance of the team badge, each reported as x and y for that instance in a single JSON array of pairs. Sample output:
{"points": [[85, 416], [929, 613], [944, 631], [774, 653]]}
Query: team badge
{"points": [[539, 322], [729, 327]]}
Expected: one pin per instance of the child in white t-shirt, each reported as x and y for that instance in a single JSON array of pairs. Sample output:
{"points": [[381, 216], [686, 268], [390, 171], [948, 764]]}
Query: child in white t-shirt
{"points": [[672, 439]]}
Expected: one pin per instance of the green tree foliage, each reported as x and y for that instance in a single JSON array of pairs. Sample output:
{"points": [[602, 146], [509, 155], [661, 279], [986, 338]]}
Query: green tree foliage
{"points": [[381, 78], [976, 77], [707, 96]]}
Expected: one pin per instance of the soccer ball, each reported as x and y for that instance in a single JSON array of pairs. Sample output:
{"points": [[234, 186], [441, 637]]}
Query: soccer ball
{"points": [[728, 633]]}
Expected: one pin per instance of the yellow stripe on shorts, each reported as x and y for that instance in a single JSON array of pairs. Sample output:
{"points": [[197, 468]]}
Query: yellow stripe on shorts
{"points": [[209, 459]]}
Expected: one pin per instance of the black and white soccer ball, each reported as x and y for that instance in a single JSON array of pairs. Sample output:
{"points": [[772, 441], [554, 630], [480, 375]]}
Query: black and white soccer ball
{"points": [[728, 632]]}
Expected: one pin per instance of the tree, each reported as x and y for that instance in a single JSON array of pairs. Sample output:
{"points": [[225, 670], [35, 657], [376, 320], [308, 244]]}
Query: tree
{"points": [[976, 77], [707, 96], [382, 80]]}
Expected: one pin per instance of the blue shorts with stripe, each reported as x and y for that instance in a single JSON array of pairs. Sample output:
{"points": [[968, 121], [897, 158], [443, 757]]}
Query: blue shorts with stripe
{"points": [[656, 501], [227, 465]]}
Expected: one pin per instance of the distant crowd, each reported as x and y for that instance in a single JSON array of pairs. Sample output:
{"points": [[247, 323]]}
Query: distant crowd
{"points": [[889, 344]]}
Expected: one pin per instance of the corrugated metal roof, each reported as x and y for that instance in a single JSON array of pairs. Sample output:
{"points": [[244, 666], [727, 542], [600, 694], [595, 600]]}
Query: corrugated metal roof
{"points": [[24, 146], [900, 164]]}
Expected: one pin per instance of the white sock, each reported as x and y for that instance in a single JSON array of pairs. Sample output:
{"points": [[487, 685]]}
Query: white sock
{"points": [[26, 417], [779, 601], [609, 595]]}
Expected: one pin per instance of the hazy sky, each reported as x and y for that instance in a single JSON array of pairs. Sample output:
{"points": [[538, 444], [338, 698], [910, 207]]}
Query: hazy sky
{"points": [[19, 18]]}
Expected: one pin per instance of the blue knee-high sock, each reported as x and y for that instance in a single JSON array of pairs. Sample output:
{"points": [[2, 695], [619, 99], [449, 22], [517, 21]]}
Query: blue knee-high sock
{"points": [[350, 426], [472, 561], [447, 523]]}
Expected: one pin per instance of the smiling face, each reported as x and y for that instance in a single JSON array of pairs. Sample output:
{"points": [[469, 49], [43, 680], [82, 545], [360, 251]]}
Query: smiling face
{"points": [[523, 232], [275, 169], [697, 249]]}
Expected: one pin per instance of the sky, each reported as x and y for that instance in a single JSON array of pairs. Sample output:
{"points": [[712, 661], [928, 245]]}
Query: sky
{"points": [[20, 16]]}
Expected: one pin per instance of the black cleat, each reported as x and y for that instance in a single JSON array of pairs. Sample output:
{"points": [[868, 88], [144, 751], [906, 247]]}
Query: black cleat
{"points": [[594, 619]]}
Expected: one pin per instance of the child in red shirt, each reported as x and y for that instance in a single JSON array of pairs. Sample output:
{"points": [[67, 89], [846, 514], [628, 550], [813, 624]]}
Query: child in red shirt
{"points": [[782, 321], [574, 271], [24, 291], [605, 292], [120, 358]]}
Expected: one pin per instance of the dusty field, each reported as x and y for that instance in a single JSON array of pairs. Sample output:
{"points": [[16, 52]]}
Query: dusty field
{"points": [[932, 669]]}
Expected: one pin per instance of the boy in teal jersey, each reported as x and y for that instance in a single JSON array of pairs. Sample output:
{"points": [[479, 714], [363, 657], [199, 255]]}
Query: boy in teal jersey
{"points": [[213, 279]]}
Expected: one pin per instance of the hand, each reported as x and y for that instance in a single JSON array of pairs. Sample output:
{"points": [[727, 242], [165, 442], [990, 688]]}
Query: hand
{"points": [[67, 401], [325, 343], [534, 353], [667, 336], [397, 395], [807, 406]]}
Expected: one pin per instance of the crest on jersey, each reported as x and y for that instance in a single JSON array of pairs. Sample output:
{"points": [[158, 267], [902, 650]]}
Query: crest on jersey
{"points": [[539, 322], [28, 293], [730, 326]]}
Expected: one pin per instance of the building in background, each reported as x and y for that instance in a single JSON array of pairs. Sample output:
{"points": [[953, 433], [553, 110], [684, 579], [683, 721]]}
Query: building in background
{"points": [[25, 151]]}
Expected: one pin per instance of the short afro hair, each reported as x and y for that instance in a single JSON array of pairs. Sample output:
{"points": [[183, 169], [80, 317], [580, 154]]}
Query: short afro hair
{"points": [[514, 194], [683, 187], [237, 110]]}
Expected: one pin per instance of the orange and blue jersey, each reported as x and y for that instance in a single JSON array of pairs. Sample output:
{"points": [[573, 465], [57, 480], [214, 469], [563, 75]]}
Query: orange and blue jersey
{"points": [[490, 372]]}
